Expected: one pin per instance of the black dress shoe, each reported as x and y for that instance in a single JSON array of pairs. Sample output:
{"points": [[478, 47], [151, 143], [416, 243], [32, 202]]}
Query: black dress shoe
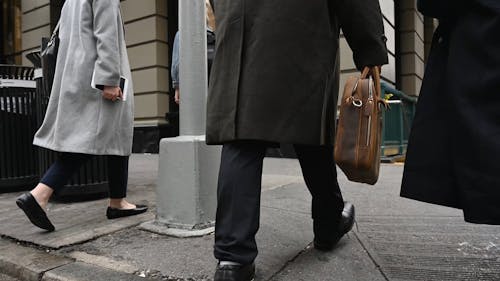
{"points": [[326, 240], [235, 272], [34, 212], [113, 213]]}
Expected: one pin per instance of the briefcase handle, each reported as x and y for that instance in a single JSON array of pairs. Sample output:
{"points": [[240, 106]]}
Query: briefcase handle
{"points": [[374, 72]]}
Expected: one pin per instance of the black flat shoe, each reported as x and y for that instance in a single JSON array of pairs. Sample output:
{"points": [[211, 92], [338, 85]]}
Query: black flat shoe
{"points": [[326, 242], [235, 272], [113, 213], [34, 212]]}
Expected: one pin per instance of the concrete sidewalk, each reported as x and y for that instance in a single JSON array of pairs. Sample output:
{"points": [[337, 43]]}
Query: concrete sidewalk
{"points": [[394, 238]]}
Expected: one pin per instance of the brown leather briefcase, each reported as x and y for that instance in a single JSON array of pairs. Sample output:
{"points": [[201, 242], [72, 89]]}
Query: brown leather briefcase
{"points": [[359, 131]]}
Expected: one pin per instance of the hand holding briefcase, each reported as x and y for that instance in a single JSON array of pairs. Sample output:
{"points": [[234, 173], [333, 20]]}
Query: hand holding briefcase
{"points": [[357, 145]]}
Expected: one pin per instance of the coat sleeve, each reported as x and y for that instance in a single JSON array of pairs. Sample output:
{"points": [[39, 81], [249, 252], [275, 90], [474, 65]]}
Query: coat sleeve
{"points": [[363, 28], [106, 24]]}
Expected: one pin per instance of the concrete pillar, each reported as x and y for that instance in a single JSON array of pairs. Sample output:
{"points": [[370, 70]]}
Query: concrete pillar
{"points": [[188, 168]]}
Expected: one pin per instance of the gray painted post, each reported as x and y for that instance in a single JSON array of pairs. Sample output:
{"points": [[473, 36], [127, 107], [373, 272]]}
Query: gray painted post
{"points": [[188, 168], [193, 67]]}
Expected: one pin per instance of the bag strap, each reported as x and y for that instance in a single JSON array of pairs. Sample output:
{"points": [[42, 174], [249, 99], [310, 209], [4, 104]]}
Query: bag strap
{"points": [[56, 31]]}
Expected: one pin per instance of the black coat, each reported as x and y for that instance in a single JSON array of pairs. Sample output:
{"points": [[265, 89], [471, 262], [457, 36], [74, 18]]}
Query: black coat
{"points": [[275, 72], [453, 155]]}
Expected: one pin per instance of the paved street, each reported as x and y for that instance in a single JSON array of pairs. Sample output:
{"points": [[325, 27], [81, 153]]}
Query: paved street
{"points": [[394, 239]]}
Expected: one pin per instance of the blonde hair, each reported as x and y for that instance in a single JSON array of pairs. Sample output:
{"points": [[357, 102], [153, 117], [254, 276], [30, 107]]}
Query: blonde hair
{"points": [[210, 16]]}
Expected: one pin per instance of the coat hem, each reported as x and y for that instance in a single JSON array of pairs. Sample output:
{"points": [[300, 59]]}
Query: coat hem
{"points": [[81, 151], [429, 201], [429, 187], [467, 216], [475, 220]]}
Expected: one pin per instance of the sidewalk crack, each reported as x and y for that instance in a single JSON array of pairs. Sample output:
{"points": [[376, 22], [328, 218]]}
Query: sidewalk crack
{"points": [[294, 258], [285, 210]]}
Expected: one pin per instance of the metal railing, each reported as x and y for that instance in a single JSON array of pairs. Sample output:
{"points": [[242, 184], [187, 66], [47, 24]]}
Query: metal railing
{"points": [[397, 122]]}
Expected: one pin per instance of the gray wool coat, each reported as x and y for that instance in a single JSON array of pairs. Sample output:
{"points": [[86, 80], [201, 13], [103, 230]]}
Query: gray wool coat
{"points": [[78, 118], [276, 68]]}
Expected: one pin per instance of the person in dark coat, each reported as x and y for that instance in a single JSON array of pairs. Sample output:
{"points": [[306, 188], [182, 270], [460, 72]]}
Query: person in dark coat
{"points": [[275, 80], [454, 147]]}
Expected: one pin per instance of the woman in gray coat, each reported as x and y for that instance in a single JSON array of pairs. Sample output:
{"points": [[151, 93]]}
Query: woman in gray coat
{"points": [[88, 113]]}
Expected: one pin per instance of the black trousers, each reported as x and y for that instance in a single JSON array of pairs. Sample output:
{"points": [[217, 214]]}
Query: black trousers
{"points": [[239, 190], [67, 164]]}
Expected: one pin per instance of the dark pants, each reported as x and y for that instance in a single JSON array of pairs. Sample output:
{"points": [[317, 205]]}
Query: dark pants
{"points": [[239, 189], [68, 164]]}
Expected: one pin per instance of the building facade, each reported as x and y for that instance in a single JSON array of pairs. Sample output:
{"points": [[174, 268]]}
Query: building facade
{"points": [[150, 26]]}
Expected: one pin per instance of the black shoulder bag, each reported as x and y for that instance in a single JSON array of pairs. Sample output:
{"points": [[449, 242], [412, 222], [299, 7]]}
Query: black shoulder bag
{"points": [[50, 47]]}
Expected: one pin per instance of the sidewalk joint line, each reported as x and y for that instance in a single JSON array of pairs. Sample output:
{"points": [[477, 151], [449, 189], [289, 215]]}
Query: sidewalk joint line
{"points": [[34, 247], [285, 185], [26, 244], [371, 257], [285, 210], [289, 262], [42, 274], [78, 243]]}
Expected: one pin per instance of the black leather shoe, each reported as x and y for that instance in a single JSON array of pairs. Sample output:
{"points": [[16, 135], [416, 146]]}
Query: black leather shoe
{"points": [[34, 212], [326, 242], [235, 272], [113, 213]]}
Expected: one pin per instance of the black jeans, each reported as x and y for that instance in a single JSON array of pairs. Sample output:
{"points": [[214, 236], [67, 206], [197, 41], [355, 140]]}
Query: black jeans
{"points": [[67, 164], [239, 190]]}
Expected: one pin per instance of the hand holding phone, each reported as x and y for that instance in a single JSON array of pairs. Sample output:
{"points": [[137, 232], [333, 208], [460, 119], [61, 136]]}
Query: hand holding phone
{"points": [[112, 93]]}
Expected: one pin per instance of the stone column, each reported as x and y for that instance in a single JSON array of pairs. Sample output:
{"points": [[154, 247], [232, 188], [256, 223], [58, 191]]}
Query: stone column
{"points": [[411, 54], [35, 25], [148, 50]]}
